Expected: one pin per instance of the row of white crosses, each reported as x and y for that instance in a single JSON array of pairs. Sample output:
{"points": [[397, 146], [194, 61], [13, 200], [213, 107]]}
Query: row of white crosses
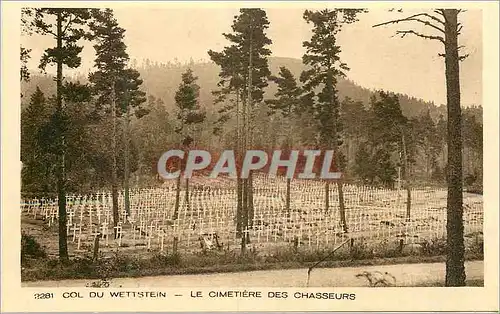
{"points": [[380, 213], [473, 214]]}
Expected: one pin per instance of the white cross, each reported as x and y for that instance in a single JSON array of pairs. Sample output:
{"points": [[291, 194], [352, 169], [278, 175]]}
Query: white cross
{"points": [[104, 227], [74, 229], [119, 233]]}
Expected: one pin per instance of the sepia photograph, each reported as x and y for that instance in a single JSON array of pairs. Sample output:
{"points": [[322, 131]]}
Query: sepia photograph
{"points": [[228, 147]]}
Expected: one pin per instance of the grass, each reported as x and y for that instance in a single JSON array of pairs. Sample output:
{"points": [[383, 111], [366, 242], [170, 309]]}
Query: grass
{"points": [[468, 283], [156, 264]]}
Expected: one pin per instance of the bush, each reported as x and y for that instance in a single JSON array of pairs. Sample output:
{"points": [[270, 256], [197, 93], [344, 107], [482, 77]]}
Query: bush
{"points": [[387, 249], [360, 250], [476, 245], [30, 248], [434, 247], [162, 260]]}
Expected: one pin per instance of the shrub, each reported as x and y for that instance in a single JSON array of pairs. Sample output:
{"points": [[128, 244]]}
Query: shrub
{"points": [[434, 247], [476, 245], [30, 248], [387, 249], [162, 260], [360, 250]]}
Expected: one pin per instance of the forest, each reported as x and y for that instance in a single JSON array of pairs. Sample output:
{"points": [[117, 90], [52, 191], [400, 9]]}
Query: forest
{"points": [[146, 124]]}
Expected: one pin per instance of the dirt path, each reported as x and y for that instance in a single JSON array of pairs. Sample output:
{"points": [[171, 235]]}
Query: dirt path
{"points": [[405, 274]]}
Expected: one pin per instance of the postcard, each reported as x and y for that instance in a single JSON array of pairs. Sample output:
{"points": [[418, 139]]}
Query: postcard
{"points": [[249, 156]]}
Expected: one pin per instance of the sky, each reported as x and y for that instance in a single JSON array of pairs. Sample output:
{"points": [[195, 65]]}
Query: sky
{"points": [[377, 59]]}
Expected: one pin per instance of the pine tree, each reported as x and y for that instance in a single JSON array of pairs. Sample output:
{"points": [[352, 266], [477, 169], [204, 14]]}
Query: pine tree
{"points": [[35, 167], [116, 88], [356, 121], [426, 133], [189, 114], [231, 86], [445, 23], [364, 167], [25, 55], [324, 69], [288, 96], [133, 99], [390, 134], [287, 103], [245, 71], [26, 28], [110, 61], [67, 30]]}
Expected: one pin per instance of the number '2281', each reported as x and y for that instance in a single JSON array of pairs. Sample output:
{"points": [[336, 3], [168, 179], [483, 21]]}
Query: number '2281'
{"points": [[47, 295]]}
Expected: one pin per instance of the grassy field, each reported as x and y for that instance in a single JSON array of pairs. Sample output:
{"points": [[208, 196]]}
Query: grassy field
{"points": [[279, 238]]}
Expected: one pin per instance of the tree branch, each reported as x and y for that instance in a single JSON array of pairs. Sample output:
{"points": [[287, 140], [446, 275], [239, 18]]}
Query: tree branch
{"points": [[463, 57], [67, 25], [413, 18], [427, 23], [440, 12], [404, 33], [430, 16], [51, 33]]}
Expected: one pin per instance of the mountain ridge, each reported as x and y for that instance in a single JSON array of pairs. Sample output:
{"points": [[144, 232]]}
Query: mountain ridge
{"points": [[161, 81]]}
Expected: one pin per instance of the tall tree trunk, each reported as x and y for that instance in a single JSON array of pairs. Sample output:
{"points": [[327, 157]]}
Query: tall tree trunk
{"points": [[177, 192], [287, 200], [455, 270], [60, 171], [336, 153], [327, 196], [343, 218], [250, 201], [239, 206], [406, 177], [114, 179], [244, 216], [246, 123], [186, 195], [244, 182], [126, 184], [239, 183]]}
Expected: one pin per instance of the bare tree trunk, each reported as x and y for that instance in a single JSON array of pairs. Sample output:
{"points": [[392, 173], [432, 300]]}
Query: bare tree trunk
{"points": [[246, 122], [408, 202], [406, 178], [250, 201], [177, 193], [239, 183], [244, 218], [327, 196], [239, 206], [244, 185], [455, 270], [60, 168], [287, 200], [127, 161], [343, 219], [114, 183], [186, 197]]}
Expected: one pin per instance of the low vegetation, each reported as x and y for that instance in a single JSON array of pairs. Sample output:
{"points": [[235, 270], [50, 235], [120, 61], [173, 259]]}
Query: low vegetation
{"points": [[118, 264]]}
